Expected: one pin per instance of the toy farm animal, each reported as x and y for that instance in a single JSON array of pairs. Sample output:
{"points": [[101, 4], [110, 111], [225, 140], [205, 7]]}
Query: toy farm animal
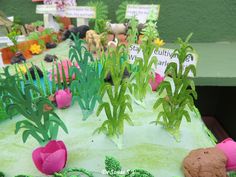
{"points": [[117, 28], [75, 30], [93, 40]]}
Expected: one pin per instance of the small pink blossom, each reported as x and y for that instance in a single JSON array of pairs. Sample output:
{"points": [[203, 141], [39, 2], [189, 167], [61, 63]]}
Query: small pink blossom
{"points": [[155, 82]]}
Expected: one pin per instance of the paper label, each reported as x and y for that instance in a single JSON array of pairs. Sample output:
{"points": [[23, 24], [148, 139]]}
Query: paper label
{"points": [[6, 40], [163, 57], [69, 11], [141, 12]]}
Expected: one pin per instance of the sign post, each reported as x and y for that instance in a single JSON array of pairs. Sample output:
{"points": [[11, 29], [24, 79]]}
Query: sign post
{"points": [[141, 12], [81, 13], [163, 58]]}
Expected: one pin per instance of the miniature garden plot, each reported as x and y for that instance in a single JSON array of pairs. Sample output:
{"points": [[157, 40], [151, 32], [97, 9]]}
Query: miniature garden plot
{"points": [[96, 114], [145, 145]]}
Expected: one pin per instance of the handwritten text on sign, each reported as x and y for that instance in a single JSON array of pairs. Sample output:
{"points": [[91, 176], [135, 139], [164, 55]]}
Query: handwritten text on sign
{"points": [[163, 57], [69, 11], [141, 12]]}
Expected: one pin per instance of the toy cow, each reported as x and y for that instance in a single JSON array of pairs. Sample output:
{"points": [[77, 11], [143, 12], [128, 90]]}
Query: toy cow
{"points": [[81, 30]]}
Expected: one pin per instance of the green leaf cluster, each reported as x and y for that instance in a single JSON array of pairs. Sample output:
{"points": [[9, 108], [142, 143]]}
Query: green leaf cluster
{"points": [[118, 97], [13, 36], [85, 87], [38, 23], [36, 36], [41, 124], [179, 89]]}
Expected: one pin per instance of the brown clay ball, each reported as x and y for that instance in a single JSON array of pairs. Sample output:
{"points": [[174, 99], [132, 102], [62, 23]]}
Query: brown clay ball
{"points": [[209, 162]]}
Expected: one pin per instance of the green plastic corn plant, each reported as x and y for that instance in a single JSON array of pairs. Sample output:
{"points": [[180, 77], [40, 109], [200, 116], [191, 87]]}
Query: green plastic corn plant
{"points": [[114, 169], [120, 13], [40, 123], [118, 99], [179, 91], [85, 87], [133, 31], [144, 65]]}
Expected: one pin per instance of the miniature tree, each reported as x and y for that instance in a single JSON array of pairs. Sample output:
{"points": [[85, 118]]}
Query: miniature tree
{"points": [[179, 91], [118, 97], [144, 66], [40, 123]]}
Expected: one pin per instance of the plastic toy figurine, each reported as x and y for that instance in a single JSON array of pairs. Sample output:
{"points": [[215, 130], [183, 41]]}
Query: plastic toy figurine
{"points": [[228, 146], [117, 28], [93, 40], [63, 98], [80, 30]]}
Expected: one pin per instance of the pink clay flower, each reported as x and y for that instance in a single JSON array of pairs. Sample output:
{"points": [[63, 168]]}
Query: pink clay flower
{"points": [[63, 98], [51, 158]]}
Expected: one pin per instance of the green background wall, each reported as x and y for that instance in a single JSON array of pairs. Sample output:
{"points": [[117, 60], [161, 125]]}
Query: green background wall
{"points": [[210, 20]]}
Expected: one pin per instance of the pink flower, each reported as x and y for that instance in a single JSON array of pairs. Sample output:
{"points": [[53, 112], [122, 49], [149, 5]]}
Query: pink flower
{"points": [[63, 98], [51, 158], [156, 81], [228, 146]]}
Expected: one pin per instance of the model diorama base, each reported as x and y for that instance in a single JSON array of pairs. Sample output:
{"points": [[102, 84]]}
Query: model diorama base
{"points": [[144, 145]]}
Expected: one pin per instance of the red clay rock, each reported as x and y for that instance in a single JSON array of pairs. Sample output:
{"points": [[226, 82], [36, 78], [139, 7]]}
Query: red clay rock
{"points": [[209, 162]]}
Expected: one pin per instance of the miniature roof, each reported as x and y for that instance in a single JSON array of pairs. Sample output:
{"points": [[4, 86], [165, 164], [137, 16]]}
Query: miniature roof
{"points": [[4, 21]]}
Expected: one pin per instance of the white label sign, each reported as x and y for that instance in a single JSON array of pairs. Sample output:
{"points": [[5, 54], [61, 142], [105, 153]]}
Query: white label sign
{"points": [[141, 12], [69, 11], [163, 57], [6, 40]]}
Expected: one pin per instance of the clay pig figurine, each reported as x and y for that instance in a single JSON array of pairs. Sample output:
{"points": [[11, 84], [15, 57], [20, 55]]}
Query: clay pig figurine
{"points": [[63, 98], [228, 146]]}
